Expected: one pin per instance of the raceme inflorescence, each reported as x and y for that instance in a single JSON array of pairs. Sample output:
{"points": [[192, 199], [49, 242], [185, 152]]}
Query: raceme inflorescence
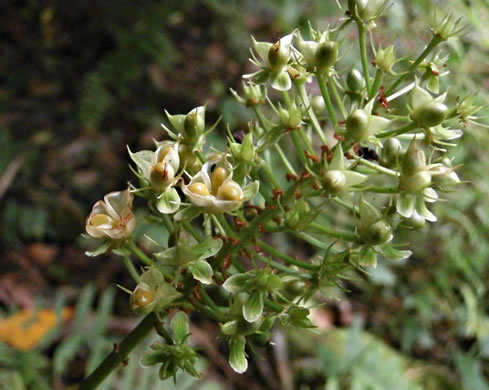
{"points": [[338, 157]]}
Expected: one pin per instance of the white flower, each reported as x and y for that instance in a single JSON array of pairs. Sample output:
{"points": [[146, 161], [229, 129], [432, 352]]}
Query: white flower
{"points": [[217, 192], [113, 217]]}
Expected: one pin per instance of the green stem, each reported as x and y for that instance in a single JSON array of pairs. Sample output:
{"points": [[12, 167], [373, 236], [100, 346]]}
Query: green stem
{"points": [[130, 268], [270, 175], [282, 267], [117, 357], [209, 302], [336, 97], [362, 40], [327, 100], [382, 190], [273, 306], [333, 232], [298, 146], [143, 257], [307, 105], [195, 234], [376, 84], [435, 41], [377, 167], [312, 240], [284, 159], [404, 129], [345, 204], [287, 259]]}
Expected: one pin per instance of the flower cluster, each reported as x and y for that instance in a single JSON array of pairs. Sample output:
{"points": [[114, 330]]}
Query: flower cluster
{"points": [[341, 170]]}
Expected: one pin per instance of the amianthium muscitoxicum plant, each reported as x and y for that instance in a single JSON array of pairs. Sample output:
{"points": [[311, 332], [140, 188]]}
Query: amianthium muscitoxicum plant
{"points": [[350, 151]]}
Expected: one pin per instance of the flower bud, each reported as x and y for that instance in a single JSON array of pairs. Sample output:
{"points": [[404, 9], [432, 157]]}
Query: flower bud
{"points": [[415, 222], [376, 233], [290, 118], [367, 10], [189, 159], [430, 115], [278, 55], [385, 59], [333, 181], [326, 55], [391, 152], [413, 161], [162, 174], [355, 80], [415, 183], [357, 125], [194, 125], [318, 105]]}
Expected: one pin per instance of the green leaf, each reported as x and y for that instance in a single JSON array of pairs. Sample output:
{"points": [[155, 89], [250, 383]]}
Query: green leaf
{"points": [[367, 257], [202, 271], [100, 250], [236, 283], [281, 81], [390, 252], [207, 248], [187, 214], [250, 190], [169, 201], [180, 327], [237, 354], [253, 308]]}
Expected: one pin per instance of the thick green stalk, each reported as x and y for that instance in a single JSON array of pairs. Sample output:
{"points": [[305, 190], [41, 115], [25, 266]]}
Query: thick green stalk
{"points": [[315, 123], [336, 97], [130, 268], [327, 100], [362, 40], [404, 129], [376, 84], [117, 357], [209, 302], [376, 167], [145, 259], [290, 260], [282, 267], [333, 232], [435, 41]]}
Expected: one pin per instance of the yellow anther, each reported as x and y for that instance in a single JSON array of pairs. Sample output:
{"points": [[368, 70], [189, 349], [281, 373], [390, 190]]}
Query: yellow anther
{"points": [[230, 191], [143, 297], [102, 219], [199, 188], [217, 177]]}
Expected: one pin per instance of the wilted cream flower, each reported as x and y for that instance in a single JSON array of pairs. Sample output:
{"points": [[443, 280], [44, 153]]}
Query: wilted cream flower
{"points": [[112, 217]]}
